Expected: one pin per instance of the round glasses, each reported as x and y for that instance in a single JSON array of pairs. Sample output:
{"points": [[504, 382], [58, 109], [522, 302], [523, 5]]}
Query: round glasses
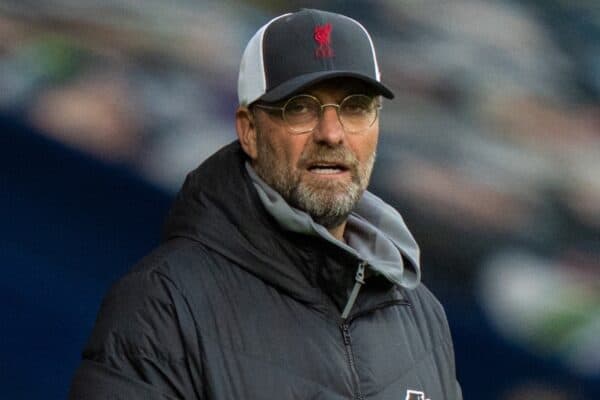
{"points": [[301, 113]]}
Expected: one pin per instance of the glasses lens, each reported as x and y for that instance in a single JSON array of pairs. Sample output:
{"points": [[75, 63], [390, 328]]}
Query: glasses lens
{"points": [[301, 113], [358, 112]]}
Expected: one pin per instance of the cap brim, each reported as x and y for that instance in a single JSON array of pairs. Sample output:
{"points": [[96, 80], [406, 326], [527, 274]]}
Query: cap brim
{"points": [[301, 82]]}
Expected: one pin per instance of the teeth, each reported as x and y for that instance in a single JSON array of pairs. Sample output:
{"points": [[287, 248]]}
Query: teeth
{"points": [[322, 170]]}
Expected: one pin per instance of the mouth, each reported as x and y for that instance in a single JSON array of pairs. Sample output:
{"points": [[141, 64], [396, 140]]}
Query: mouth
{"points": [[327, 168]]}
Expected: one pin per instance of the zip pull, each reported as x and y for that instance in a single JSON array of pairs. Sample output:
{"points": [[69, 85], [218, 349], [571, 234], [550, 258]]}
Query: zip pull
{"points": [[360, 280]]}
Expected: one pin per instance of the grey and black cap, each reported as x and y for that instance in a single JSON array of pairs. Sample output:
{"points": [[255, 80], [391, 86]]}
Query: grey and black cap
{"points": [[296, 50]]}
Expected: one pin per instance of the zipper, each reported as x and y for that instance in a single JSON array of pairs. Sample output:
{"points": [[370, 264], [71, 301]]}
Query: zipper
{"points": [[359, 281], [348, 344], [345, 327]]}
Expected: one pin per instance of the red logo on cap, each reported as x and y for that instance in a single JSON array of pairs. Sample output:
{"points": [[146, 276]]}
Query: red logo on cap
{"points": [[322, 35]]}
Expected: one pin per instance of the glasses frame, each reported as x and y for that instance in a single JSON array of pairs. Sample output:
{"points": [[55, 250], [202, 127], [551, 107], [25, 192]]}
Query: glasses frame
{"points": [[337, 106]]}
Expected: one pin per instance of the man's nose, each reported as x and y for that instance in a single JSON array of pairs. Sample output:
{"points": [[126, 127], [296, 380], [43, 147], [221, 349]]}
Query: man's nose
{"points": [[329, 129]]}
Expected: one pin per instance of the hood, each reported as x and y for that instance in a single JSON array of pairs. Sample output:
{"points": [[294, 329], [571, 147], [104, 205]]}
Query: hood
{"points": [[218, 207], [375, 233], [221, 206]]}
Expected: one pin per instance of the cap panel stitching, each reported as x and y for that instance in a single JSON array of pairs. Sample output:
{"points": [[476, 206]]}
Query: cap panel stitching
{"points": [[375, 63]]}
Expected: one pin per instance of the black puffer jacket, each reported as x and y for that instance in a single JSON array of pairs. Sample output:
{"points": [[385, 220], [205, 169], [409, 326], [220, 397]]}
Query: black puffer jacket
{"points": [[233, 306]]}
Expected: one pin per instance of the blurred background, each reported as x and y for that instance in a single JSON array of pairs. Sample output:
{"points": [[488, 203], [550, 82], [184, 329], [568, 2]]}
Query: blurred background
{"points": [[491, 151]]}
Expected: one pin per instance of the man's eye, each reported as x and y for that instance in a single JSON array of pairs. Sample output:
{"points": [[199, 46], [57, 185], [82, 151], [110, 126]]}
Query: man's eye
{"points": [[297, 108], [356, 108]]}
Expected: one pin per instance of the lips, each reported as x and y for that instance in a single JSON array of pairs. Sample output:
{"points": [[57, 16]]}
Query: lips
{"points": [[324, 167]]}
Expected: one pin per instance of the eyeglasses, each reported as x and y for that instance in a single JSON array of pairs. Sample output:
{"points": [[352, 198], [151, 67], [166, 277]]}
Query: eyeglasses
{"points": [[301, 113]]}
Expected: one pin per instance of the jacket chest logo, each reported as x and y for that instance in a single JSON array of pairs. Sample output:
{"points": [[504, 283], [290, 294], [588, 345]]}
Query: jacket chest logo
{"points": [[414, 395]]}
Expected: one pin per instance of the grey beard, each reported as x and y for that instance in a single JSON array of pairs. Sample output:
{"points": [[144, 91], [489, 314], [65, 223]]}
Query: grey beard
{"points": [[325, 209], [318, 201]]}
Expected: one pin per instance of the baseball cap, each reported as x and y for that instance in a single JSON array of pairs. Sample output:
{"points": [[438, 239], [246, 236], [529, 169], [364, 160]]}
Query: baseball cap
{"points": [[296, 50]]}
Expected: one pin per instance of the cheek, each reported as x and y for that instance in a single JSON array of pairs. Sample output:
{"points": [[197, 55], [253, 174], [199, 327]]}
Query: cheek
{"points": [[365, 146], [285, 155], [295, 147], [284, 150]]}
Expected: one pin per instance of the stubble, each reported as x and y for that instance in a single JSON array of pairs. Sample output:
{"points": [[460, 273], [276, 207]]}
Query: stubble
{"points": [[328, 202]]}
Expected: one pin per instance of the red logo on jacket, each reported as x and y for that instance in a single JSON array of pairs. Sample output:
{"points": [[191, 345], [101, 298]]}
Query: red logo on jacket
{"points": [[322, 36]]}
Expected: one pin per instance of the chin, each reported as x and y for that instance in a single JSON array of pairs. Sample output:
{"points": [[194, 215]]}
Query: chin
{"points": [[328, 204]]}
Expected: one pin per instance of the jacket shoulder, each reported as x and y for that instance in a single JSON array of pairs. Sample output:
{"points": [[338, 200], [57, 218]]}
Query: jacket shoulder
{"points": [[433, 324], [173, 257], [143, 334], [431, 311]]}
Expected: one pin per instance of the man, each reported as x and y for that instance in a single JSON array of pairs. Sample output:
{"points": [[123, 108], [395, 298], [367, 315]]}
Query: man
{"points": [[280, 277]]}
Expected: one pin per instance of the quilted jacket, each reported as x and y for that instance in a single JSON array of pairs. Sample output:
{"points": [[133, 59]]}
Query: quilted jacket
{"points": [[237, 303]]}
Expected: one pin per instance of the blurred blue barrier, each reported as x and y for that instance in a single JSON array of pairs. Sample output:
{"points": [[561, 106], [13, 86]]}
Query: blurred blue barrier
{"points": [[69, 226], [489, 367]]}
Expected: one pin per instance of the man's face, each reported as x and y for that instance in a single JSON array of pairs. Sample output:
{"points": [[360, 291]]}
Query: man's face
{"points": [[323, 172]]}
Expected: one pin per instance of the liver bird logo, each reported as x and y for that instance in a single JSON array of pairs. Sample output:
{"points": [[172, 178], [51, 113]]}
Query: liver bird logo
{"points": [[322, 35]]}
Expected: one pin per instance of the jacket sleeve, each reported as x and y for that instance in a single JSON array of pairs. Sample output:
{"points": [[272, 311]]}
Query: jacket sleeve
{"points": [[455, 388], [140, 347], [447, 362]]}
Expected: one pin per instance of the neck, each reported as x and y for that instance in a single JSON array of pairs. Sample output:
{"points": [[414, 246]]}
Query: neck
{"points": [[338, 231]]}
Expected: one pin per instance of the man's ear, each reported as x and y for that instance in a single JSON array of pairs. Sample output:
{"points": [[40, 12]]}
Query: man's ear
{"points": [[246, 131]]}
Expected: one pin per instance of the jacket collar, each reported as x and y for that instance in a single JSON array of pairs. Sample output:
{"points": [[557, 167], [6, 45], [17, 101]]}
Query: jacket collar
{"points": [[220, 206], [375, 233]]}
